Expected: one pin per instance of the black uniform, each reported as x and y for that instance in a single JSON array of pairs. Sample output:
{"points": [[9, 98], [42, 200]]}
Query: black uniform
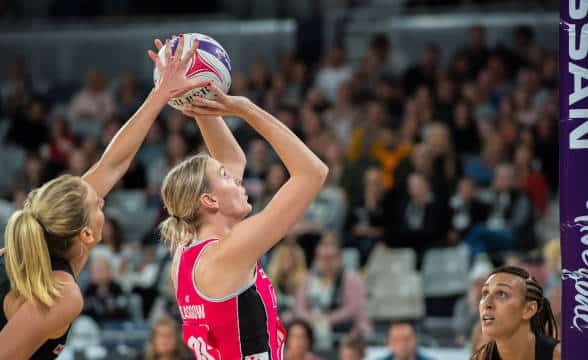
{"points": [[51, 348]]}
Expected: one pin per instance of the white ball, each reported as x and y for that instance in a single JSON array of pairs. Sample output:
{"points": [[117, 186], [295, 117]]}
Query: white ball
{"points": [[209, 63]]}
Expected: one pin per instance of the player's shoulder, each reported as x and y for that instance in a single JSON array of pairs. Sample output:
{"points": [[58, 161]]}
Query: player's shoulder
{"points": [[557, 352], [71, 298]]}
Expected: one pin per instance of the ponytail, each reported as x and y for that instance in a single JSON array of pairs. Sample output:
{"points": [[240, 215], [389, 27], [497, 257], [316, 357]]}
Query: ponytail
{"points": [[53, 216], [176, 231], [28, 264], [542, 323], [180, 191]]}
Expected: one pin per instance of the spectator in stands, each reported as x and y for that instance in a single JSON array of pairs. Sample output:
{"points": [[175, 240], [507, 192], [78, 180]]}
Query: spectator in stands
{"points": [[33, 174], [287, 270], [299, 341], [364, 138], [29, 129], [7, 207], [476, 49], [445, 99], [111, 246], [331, 297], [333, 73], [510, 223], [481, 167], [334, 157], [16, 88], [389, 152], [154, 146], [342, 117], [176, 151], [425, 72], [417, 221], [385, 60], [465, 210], [545, 140], [446, 164], [325, 214], [463, 129], [77, 163], [351, 348], [275, 176], [402, 343], [531, 180], [313, 130], [128, 96], [104, 300], [420, 161], [165, 342], [61, 142], [258, 161], [93, 102], [364, 225]]}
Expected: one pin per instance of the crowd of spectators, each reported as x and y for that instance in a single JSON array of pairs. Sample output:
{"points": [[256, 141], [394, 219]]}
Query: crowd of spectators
{"points": [[421, 156]]}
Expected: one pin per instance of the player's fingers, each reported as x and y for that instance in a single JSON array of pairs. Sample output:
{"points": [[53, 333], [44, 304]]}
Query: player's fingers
{"points": [[192, 51], [179, 49], [200, 101], [191, 85], [167, 51], [192, 110], [158, 44], [220, 95], [155, 58]]}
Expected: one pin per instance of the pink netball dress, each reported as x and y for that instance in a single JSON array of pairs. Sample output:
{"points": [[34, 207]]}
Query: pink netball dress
{"points": [[243, 325]]}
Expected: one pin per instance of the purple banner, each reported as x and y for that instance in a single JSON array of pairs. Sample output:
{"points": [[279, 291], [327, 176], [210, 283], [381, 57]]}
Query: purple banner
{"points": [[573, 167]]}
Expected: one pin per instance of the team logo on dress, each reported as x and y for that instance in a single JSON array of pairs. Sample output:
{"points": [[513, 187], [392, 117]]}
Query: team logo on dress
{"points": [[187, 298], [58, 349]]}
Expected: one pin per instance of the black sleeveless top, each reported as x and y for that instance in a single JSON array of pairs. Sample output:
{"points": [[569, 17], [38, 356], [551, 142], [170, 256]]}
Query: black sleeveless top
{"points": [[544, 346], [51, 348]]}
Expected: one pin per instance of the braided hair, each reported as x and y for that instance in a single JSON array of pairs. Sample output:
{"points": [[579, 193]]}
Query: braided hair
{"points": [[542, 323]]}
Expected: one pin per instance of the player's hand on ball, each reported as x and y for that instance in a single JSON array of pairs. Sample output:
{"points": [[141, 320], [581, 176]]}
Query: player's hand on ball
{"points": [[222, 105], [172, 81]]}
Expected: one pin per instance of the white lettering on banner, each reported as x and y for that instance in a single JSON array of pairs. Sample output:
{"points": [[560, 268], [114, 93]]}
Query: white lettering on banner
{"points": [[580, 278], [577, 51], [193, 312], [578, 12]]}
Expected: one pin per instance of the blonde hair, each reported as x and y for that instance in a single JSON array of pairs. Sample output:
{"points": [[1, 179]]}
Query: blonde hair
{"points": [[165, 321], [180, 191], [52, 216], [295, 276]]}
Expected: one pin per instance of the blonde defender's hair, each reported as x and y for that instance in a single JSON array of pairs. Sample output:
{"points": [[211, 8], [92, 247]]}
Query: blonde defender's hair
{"points": [[52, 216]]}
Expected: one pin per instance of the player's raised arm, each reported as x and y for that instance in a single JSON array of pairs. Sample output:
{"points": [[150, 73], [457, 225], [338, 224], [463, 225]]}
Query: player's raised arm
{"points": [[120, 152], [251, 238], [219, 140], [221, 143]]}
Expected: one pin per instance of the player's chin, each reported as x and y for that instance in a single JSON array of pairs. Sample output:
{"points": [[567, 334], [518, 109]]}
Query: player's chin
{"points": [[247, 209]]}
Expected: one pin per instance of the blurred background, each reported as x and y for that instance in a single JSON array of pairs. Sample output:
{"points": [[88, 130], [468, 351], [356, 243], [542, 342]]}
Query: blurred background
{"points": [[437, 118]]}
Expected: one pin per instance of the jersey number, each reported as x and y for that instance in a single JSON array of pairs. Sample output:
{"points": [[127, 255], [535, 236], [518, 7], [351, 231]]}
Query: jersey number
{"points": [[200, 348]]}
